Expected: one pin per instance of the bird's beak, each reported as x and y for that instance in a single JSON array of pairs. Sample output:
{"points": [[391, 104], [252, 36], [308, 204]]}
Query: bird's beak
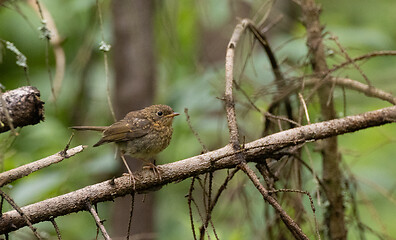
{"points": [[172, 115]]}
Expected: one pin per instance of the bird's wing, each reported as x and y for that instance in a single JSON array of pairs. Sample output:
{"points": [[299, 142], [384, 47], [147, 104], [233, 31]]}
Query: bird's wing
{"points": [[125, 130]]}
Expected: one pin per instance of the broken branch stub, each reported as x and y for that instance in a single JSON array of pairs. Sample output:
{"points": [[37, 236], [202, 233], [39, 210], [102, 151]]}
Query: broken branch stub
{"points": [[24, 108]]}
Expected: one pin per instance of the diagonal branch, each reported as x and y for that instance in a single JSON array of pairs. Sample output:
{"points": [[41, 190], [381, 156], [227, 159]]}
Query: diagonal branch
{"points": [[22, 171], [180, 170], [98, 221]]}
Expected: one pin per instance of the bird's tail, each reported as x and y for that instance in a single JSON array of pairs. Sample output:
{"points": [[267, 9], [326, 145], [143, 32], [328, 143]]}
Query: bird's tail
{"points": [[89, 128]]}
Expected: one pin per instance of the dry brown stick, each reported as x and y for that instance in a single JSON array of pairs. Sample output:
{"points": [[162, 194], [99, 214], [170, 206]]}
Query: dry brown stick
{"points": [[22, 171], [204, 148], [363, 57], [58, 234], [335, 39], [269, 115], [289, 222], [215, 200], [174, 172], [369, 91], [21, 213], [304, 105], [98, 221], [310, 200], [189, 200], [131, 215], [229, 79]]}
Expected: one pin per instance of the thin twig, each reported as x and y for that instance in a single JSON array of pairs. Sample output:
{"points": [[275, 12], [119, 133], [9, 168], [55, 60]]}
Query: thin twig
{"points": [[131, 214], [310, 200], [67, 145], [98, 221], [204, 148], [363, 57], [237, 87], [289, 222], [304, 107], [56, 228], [201, 236], [369, 91], [21, 213], [269, 115], [50, 32], [104, 47], [216, 198], [189, 200], [335, 39]]}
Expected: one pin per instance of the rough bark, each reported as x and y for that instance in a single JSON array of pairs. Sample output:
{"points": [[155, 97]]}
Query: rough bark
{"points": [[174, 172], [332, 175], [134, 75], [24, 107]]}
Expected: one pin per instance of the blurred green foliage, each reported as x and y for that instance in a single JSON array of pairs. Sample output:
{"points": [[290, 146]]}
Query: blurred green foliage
{"points": [[187, 78]]}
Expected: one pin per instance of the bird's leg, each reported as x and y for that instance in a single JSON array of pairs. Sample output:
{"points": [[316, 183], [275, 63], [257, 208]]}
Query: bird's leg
{"points": [[131, 177], [153, 167]]}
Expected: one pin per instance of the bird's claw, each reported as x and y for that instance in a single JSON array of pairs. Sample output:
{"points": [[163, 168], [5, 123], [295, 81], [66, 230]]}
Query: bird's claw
{"points": [[154, 168]]}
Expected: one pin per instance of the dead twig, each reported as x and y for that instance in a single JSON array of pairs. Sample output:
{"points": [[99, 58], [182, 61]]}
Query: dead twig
{"points": [[131, 214], [350, 60], [189, 200], [22, 171], [26, 218], [289, 222], [304, 107], [204, 148], [363, 57], [56, 228], [98, 221]]}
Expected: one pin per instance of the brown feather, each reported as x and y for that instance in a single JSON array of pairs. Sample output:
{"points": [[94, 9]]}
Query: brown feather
{"points": [[90, 128]]}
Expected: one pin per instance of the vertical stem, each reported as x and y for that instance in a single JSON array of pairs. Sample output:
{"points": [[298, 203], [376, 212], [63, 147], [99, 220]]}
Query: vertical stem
{"points": [[332, 175]]}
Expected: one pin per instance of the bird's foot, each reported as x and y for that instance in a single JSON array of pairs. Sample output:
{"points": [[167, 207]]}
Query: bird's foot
{"points": [[154, 168], [132, 179]]}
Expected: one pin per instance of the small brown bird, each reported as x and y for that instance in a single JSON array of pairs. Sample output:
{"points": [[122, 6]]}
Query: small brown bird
{"points": [[141, 134]]}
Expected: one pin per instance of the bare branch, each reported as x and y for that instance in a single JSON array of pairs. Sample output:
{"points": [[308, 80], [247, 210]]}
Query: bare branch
{"points": [[58, 234], [22, 171], [368, 90], [98, 221], [289, 222], [173, 172], [363, 57], [21, 213], [229, 79]]}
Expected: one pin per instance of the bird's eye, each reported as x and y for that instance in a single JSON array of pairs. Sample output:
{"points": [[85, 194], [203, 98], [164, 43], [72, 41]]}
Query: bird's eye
{"points": [[160, 113]]}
